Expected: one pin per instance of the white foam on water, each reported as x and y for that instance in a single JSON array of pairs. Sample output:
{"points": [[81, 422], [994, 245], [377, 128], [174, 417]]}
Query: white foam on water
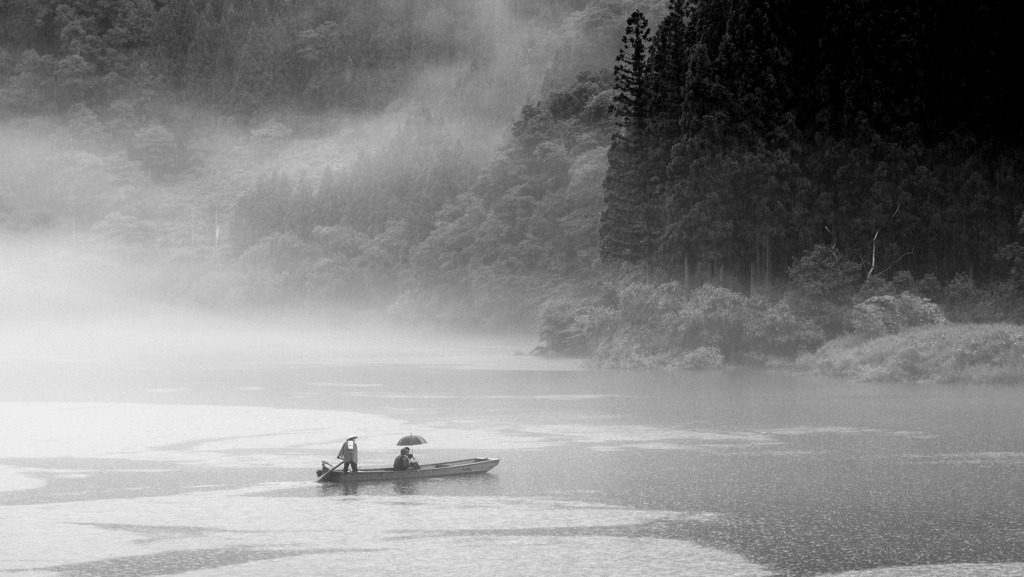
{"points": [[1003, 458], [567, 397], [215, 436], [612, 436], [807, 430], [12, 479], [186, 433], [526, 556], [200, 533], [948, 570], [347, 385]]}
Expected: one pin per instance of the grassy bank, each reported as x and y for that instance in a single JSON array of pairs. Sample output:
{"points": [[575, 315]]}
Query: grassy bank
{"points": [[950, 353]]}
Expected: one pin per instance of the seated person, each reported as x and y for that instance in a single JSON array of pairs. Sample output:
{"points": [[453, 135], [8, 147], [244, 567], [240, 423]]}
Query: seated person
{"points": [[413, 463], [402, 460]]}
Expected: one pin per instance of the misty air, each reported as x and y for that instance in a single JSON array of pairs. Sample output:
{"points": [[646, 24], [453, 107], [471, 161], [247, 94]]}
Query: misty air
{"points": [[511, 287]]}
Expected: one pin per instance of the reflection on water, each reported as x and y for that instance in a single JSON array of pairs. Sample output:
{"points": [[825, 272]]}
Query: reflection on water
{"points": [[206, 469], [405, 487]]}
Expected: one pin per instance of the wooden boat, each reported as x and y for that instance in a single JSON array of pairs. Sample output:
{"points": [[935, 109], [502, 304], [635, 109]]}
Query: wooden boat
{"points": [[463, 467]]}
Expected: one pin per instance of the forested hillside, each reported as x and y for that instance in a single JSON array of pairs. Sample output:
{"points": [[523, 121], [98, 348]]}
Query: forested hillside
{"points": [[812, 169], [119, 58], [733, 185], [320, 155], [754, 130]]}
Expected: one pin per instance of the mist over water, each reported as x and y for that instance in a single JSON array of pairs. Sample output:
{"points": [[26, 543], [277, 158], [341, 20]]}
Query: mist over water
{"points": [[149, 428], [141, 438], [177, 448]]}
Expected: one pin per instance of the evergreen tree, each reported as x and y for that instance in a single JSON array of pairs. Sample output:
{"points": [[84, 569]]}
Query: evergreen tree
{"points": [[629, 223], [259, 78], [668, 61], [633, 79], [201, 63], [173, 33]]}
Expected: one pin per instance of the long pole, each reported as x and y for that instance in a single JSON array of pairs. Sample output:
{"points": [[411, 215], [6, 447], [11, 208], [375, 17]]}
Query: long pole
{"points": [[321, 477]]}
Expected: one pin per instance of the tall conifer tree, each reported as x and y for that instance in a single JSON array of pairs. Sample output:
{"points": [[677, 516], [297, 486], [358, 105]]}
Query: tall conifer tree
{"points": [[628, 230]]}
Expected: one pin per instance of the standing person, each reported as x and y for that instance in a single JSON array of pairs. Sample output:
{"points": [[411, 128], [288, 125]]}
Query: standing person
{"points": [[349, 455]]}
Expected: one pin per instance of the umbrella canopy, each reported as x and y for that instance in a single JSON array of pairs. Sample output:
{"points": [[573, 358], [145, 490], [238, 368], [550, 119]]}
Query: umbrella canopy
{"points": [[412, 440]]}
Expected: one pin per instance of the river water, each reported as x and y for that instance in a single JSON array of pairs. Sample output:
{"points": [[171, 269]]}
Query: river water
{"points": [[180, 454]]}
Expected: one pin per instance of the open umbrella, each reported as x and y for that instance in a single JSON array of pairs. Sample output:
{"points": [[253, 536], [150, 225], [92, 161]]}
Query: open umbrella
{"points": [[411, 440]]}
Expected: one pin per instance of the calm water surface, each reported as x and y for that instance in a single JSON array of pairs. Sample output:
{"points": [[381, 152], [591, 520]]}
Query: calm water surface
{"points": [[193, 459]]}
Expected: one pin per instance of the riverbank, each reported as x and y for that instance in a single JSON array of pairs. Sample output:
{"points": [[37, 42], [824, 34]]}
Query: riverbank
{"points": [[948, 353]]}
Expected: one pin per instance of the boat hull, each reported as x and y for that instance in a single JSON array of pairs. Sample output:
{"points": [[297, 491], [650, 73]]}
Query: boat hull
{"points": [[447, 469]]}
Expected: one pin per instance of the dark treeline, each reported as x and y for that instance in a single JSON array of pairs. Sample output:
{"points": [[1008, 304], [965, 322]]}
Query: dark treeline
{"points": [[753, 130], [118, 57]]}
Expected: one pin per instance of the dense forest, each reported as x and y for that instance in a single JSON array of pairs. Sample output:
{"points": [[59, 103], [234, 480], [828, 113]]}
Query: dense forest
{"points": [[754, 130], [316, 155], [118, 58], [788, 172], [641, 181]]}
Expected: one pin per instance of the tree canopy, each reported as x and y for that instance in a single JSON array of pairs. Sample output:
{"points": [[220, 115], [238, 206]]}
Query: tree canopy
{"points": [[772, 126]]}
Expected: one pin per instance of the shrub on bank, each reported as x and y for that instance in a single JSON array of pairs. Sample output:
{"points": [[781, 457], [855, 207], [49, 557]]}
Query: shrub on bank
{"points": [[947, 353], [823, 283], [702, 358], [651, 325], [888, 314], [892, 332], [570, 328], [627, 349], [966, 302]]}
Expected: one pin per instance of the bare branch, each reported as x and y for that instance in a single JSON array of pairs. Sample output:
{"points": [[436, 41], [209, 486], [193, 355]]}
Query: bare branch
{"points": [[908, 253], [893, 217], [874, 245], [835, 239]]}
